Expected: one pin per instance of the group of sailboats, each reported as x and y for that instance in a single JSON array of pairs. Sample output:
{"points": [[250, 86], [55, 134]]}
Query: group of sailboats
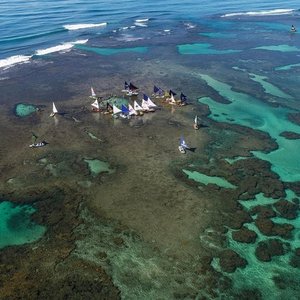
{"points": [[130, 89]]}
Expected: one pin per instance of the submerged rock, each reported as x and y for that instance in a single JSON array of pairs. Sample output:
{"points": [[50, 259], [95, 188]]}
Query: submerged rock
{"points": [[239, 218], [244, 235], [230, 261], [263, 211], [269, 228], [267, 249], [290, 135], [286, 209]]}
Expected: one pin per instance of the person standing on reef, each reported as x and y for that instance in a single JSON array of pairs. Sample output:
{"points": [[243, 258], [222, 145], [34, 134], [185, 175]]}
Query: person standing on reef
{"points": [[293, 28]]}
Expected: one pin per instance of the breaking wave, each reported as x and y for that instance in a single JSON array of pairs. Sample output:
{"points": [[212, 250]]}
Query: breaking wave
{"points": [[63, 47], [13, 60], [19, 59], [273, 12], [83, 26], [141, 22]]}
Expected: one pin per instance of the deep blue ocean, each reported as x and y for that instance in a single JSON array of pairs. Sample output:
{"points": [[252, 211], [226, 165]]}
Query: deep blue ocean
{"points": [[28, 27]]}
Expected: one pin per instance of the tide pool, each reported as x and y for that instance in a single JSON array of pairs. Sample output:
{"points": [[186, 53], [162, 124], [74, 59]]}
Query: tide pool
{"points": [[111, 51], [97, 166], [24, 109], [248, 111], [205, 179], [202, 48], [16, 228]]}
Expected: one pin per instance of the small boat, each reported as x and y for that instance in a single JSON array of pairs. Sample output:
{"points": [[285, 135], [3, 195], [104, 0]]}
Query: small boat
{"points": [[132, 111], [93, 94], [54, 110], [172, 101], [146, 107], [38, 145], [95, 106], [130, 89], [116, 111], [293, 28], [137, 108], [196, 123], [158, 92], [183, 100], [183, 146], [150, 103], [124, 112]]}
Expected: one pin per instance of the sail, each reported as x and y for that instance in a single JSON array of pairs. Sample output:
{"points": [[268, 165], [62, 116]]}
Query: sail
{"points": [[183, 97], [132, 87], [196, 120], [125, 109], [137, 106], [95, 104], [155, 89], [145, 97], [132, 111], [126, 86], [172, 99], [54, 109], [145, 105], [151, 103], [172, 93], [93, 92], [116, 110], [183, 143], [161, 92]]}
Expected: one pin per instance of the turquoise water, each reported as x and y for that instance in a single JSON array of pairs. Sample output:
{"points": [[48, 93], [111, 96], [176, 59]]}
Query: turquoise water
{"points": [[248, 111], [203, 48], [280, 48], [24, 109], [112, 51], [287, 67], [16, 228], [97, 166], [218, 35], [205, 179]]}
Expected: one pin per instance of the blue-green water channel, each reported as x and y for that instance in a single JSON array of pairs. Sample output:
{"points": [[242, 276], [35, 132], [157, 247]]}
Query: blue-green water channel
{"points": [[16, 227], [248, 111]]}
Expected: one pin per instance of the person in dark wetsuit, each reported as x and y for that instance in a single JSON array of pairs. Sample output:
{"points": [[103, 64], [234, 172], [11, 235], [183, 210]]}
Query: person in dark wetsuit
{"points": [[293, 28]]}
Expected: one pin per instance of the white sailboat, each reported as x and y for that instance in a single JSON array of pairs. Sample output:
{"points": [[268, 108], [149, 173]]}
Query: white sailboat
{"points": [[183, 146], [132, 111], [172, 100], [116, 110], [93, 93], [150, 103], [95, 106], [136, 106], [54, 110], [196, 123]]}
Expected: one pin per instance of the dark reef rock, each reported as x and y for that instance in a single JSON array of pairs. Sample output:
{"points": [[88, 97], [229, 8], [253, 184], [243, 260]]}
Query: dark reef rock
{"points": [[269, 228], [239, 218], [230, 261], [294, 117], [297, 251], [295, 261], [263, 211], [290, 135], [286, 209], [249, 294], [267, 249], [244, 235]]}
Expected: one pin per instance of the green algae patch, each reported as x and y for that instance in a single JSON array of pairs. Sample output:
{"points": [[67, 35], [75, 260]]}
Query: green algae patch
{"points": [[202, 48], [23, 109], [205, 179], [16, 227], [97, 166], [287, 67], [112, 51], [280, 48]]}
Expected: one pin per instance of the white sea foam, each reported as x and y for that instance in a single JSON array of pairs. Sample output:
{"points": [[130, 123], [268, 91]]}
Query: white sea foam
{"points": [[272, 12], [13, 60], [83, 26], [129, 38], [140, 24], [141, 20], [58, 48]]}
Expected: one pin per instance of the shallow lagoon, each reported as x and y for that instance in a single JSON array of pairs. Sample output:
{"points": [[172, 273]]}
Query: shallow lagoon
{"points": [[16, 228]]}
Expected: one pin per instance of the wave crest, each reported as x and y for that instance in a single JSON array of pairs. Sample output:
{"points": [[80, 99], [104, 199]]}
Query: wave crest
{"points": [[273, 12], [13, 60], [63, 47], [83, 26]]}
